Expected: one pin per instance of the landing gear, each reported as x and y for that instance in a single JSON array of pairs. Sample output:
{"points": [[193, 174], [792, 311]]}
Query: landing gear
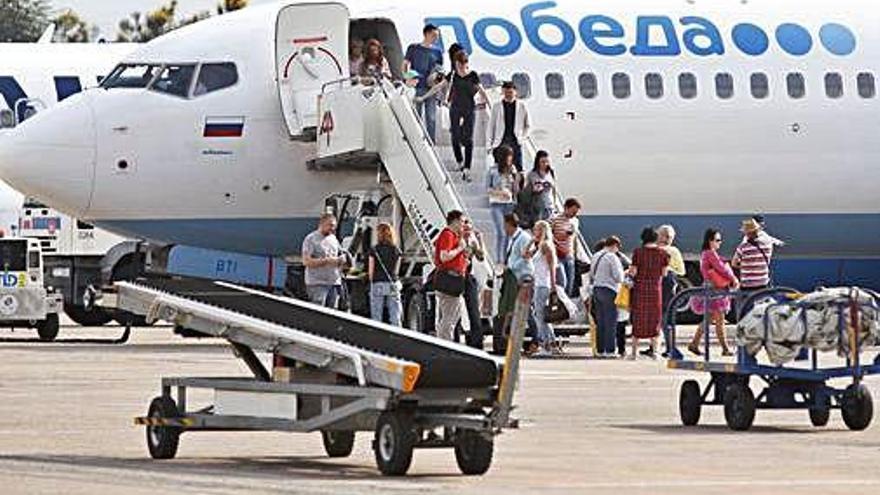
{"points": [[162, 441], [394, 443], [88, 317]]}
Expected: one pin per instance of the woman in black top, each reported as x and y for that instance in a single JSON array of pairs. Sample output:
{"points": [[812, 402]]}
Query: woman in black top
{"points": [[382, 269], [465, 85]]}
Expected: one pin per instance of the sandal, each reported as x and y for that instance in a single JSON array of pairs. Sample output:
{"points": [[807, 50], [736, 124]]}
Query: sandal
{"points": [[695, 349]]}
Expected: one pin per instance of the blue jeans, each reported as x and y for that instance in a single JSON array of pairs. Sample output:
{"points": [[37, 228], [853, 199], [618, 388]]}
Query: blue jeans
{"points": [[383, 295], [324, 295], [427, 109], [544, 332], [498, 212], [567, 265], [606, 319]]}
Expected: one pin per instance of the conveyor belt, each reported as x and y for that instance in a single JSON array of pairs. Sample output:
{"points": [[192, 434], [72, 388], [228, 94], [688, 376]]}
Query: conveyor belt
{"points": [[442, 365]]}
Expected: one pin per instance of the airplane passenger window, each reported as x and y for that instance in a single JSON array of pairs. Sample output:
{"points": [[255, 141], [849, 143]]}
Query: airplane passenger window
{"points": [[488, 80], [724, 85], [833, 85], [867, 85], [214, 77], [588, 86], [760, 85], [797, 86], [654, 86], [620, 86], [687, 85], [555, 86], [523, 84], [131, 76]]}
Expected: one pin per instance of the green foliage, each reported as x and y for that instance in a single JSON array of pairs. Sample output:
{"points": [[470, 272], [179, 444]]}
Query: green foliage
{"points": [[70, 28], [139, 28], [23, 20]]}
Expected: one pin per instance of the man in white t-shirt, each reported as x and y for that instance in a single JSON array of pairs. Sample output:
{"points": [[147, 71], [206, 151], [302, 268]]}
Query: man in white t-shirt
{"points": [[323, 258]]}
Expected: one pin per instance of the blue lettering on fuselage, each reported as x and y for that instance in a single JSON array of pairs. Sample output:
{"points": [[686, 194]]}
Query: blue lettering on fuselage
{"points": [[653, 35]]}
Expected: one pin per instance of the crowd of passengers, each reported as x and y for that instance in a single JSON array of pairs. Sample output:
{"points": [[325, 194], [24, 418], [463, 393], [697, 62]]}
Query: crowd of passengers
{"points": [[535, 242]]}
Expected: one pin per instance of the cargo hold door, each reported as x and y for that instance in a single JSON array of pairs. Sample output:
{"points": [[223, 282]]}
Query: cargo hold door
{"points": [[311, 49]]}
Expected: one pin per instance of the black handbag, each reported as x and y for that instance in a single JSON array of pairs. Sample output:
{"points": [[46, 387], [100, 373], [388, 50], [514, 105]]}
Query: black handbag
{"points": [[449, 283], [556, 312]]}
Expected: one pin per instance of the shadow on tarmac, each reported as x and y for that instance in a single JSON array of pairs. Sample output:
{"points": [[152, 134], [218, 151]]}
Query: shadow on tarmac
{"points": [[283, 467], [721, 429]]}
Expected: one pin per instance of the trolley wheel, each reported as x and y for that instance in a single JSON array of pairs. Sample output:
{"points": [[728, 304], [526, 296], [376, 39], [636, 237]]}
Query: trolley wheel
{"points": [[393, 443], [162, 441], [338, 443], [473, 452], [857, 407], [819, 415], [47, 329], [690, 402], [88, 317], [739, 407]]}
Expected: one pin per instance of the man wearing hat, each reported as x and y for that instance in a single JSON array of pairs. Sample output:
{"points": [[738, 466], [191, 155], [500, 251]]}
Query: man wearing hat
{"points": [[752, 257], [510, 124]]}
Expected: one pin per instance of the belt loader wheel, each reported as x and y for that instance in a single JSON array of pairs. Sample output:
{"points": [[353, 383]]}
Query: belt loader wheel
{"points": [[394, 442], [473, 452], [338, 443], [48, 329], [162, 441], [857, 407]]}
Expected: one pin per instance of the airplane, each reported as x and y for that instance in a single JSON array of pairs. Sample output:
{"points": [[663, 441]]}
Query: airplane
{"points": [[34, 76], [687, 112]]}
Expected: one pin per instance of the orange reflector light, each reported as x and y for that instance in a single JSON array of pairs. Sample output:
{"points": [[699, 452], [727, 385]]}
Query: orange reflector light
{"points": [[410, 376]]}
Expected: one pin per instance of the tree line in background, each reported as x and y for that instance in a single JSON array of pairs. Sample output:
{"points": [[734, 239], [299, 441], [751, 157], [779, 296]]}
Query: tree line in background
{"points": [[26, 20]]}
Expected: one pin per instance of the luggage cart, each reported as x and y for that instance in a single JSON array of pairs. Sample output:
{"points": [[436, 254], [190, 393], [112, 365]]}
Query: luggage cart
{"points": [[785, 387], [349, 374]]}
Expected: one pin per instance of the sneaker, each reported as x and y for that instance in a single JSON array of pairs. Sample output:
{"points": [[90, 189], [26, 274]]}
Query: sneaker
{"points": [[542, 353]]}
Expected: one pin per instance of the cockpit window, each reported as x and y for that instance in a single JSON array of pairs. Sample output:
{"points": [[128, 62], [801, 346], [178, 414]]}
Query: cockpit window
{"points": [[131, 76], [174, 80], [214, 77]]}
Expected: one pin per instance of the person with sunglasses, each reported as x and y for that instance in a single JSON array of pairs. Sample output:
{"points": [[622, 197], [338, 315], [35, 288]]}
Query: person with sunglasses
{"points": [[717, 274]]}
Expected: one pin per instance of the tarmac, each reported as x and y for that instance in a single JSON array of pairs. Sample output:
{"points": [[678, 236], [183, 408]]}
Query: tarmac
{"points": [[587, 426]]}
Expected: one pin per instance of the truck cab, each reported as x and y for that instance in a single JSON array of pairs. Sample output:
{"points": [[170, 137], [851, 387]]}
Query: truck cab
{"points": [[24, 299]]}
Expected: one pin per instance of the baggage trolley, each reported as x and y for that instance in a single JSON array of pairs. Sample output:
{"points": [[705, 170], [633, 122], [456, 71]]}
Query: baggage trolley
{"points": [[795, 386]]}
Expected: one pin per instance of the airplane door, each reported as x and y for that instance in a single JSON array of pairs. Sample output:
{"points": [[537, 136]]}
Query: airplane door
{"points": [[311, 49]]}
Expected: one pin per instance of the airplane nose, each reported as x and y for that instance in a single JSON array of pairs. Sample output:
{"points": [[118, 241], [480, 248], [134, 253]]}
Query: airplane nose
{"points": [[51, 156]]}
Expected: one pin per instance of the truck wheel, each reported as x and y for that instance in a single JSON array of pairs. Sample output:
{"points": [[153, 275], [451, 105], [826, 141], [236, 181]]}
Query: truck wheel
{"points": [[394, 443], [857, 407], [690, 402], [87, 318], [338, 443], [48, 329], [473, 452], [739, 407], [162, 441]]}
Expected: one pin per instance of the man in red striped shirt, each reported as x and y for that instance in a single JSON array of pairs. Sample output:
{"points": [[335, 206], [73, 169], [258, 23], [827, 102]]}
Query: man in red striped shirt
{"points": [[752, 258]]}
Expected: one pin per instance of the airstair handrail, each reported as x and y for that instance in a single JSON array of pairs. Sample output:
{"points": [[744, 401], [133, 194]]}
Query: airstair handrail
{"points": [[530, 149]]}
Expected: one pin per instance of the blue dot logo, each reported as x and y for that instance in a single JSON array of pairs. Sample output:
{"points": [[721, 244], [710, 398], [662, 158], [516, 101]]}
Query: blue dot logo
{"points": [[794, 39], [837, 39], [750, 39]]}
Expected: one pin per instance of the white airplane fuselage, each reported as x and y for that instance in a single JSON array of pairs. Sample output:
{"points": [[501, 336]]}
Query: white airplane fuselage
{"points": [[662, 117]]}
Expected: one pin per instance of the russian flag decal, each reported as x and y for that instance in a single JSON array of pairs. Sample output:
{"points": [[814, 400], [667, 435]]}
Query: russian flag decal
{"points": [[223, 127]]}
